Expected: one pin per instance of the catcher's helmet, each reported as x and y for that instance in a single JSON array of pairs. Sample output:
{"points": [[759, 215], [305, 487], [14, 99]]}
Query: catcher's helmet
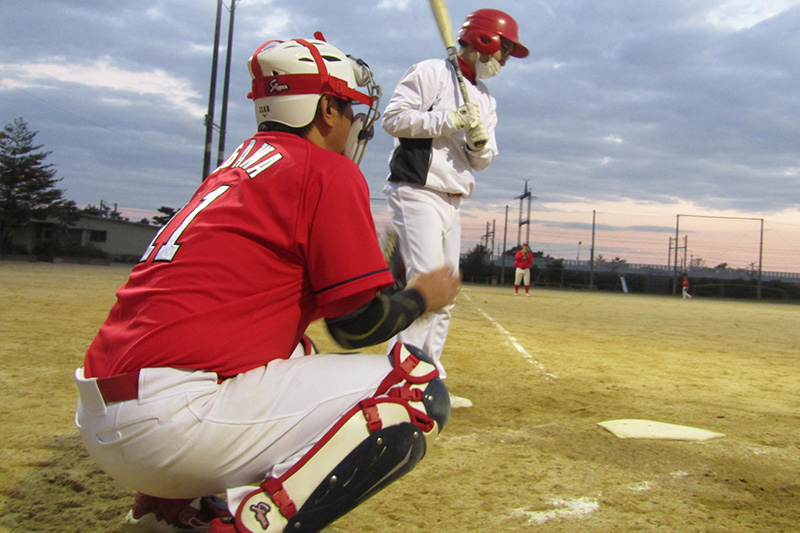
{"points": [[289, 77], [483, 29]]}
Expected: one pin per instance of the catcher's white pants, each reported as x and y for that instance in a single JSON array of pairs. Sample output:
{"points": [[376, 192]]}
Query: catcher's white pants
{"points": [[428, 224], [188, 436], [522, 276]]}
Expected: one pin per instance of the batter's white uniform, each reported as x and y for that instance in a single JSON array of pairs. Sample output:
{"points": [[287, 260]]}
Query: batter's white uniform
{"points": [[431, 171]]}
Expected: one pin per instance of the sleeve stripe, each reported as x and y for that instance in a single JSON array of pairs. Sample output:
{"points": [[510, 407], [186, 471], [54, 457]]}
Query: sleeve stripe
{"points": [[351, 280]]}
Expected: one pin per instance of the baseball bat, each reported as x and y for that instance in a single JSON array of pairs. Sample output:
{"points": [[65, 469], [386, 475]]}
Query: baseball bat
{"points": [[442, 16]]}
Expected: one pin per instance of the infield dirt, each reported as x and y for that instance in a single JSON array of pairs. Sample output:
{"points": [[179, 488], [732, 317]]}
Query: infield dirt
{"points": [[541, 371]]}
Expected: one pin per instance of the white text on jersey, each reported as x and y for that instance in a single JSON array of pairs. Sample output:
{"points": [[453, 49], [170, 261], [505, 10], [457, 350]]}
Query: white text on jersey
{"points": [[254, 163]]}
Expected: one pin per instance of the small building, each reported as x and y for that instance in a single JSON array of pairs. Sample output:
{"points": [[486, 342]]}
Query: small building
{"points": [[121, 240]]}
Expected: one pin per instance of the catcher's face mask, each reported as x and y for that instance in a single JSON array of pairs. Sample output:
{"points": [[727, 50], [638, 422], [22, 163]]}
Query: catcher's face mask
{"points": [[363, 127]]}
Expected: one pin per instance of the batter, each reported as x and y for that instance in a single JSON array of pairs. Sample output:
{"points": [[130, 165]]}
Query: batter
{"points": [[440, 141]]}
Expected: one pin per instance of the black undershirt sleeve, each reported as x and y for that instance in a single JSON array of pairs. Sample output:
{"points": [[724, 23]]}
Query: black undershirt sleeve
{"points": [[378, 320]]}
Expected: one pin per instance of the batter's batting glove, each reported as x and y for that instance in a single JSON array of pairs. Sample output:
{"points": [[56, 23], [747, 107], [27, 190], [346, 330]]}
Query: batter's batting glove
{"points": [[477, 137], [464, 116]]}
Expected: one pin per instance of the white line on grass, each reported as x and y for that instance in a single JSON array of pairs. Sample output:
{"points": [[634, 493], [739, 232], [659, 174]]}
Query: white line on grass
{"points": [[515, 344], [566, 508]]}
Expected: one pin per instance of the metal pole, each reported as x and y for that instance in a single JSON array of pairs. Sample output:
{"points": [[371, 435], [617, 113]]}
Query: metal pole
{"points": [[528, 229], [493, 228], [212, 96], [519, 226], [760, 258], [685, 250], [591, 253], [669, 254], [503, 255], [224, 117], [675, 267]]}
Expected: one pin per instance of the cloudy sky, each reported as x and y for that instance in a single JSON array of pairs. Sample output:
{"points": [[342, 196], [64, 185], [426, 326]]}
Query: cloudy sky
{"points": [[627, 113]]}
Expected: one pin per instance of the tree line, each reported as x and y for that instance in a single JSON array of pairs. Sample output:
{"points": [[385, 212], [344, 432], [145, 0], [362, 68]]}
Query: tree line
{"points": [[29, 191]]}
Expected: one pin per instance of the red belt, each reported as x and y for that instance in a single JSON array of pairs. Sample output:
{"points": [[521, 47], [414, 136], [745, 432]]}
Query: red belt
{"points": [[119, 388], [455, 194]]}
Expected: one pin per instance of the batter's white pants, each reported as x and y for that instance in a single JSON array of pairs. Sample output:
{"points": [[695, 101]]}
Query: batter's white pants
{"points": [[188, 436], [428, 225], [522, 276]]}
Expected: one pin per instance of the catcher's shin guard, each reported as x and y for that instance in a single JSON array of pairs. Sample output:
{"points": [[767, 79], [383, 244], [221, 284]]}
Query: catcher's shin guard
{"points": [[375, 443]]}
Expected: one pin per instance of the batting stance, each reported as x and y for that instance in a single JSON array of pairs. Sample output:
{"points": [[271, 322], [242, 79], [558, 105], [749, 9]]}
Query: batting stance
{"points": [[523, 260], [440, 141], [197, 383]]}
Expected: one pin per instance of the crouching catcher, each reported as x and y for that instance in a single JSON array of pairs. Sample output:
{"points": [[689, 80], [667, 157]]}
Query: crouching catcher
{"points": [[202, 382]]}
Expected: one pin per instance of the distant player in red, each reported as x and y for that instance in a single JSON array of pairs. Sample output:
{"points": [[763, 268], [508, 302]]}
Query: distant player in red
{"points": [[201, 381], [523, 260], [686, 294]]}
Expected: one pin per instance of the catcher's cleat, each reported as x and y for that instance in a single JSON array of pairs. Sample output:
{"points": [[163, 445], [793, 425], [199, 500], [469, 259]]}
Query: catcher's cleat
{"points": [[168, 515], [219, 525]]}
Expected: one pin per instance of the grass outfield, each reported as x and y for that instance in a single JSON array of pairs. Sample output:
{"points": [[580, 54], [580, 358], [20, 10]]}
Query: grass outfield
{"points": [[542, 372]]}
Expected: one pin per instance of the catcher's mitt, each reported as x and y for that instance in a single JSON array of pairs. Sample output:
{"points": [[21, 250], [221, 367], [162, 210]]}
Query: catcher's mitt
{"points": [[390, 244]]}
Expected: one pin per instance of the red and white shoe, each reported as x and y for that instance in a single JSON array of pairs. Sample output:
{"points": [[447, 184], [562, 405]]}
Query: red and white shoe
{"points": [[163, 515]]}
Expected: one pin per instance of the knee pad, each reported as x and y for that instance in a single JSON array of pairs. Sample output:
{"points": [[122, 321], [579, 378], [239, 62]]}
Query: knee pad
{"points": [[386, 455], [373, 444]]}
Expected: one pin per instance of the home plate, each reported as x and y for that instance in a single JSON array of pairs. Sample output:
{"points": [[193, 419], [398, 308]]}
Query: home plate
{"points": [[648, 429]]}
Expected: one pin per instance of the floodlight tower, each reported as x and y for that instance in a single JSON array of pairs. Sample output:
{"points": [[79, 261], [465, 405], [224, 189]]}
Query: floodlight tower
{"points": [[209, 120], [211, 95], [526, 222], [223, 121]]}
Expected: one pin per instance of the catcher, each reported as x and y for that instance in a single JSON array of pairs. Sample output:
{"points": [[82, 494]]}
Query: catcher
{"points": [[201, 380]]}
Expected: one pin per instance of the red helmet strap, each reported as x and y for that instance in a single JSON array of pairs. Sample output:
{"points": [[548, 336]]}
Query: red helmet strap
{"points": [[286, 84]]}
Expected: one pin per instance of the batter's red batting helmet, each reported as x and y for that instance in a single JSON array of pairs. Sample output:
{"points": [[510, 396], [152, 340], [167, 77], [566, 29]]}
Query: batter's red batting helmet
{"points": [[483, 29]]}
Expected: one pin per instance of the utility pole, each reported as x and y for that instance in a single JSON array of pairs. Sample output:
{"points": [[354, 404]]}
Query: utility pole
{"points": [[591, 252], [212, 96], [493, 229], [503, 251], [489, 233], [224, 117], [526, 194]]}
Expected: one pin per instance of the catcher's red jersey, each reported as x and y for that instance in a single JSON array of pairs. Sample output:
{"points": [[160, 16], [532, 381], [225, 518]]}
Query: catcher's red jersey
{"points": [[278, 236]]}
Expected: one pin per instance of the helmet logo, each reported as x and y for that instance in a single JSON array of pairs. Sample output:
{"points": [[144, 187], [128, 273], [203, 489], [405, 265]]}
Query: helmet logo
{"points": [[276, 87]]}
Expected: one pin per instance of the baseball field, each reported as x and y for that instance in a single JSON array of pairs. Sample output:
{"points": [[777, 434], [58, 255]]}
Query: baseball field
{"points": [[529, 456]]}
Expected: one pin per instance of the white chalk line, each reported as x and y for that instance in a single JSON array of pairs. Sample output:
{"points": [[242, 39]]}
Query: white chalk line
{"points": [[515, 343], [577, 508]]}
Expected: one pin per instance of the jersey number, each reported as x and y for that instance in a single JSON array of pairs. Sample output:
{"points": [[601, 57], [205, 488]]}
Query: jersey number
{"points": [[168, 250]]}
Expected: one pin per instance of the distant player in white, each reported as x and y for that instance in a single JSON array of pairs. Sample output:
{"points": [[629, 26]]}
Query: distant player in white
{"points": [[439, 142]]}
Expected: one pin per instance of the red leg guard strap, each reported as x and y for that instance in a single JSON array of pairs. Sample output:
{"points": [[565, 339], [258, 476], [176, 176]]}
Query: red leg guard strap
{"points": [[274, 488], [370, 410]]}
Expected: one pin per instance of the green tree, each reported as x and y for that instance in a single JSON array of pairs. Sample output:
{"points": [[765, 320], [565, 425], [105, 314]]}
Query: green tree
{"points": [[168, 213], [104, 210], [27, 184], [475, 266]]}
